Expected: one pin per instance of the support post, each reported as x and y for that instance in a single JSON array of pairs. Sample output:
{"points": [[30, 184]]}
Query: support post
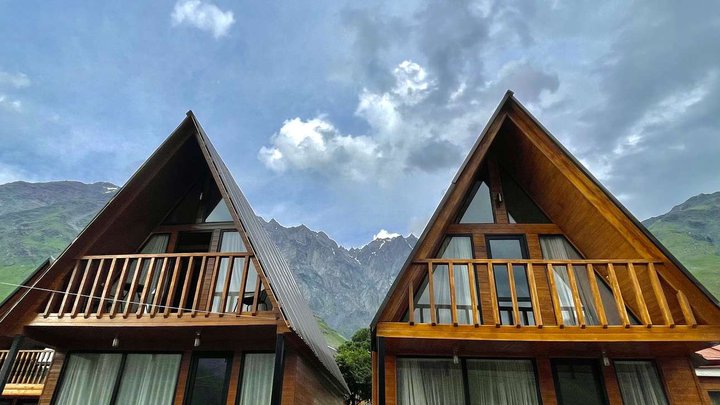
{"points": [[279, 370], [9, 361], [381, 369]]}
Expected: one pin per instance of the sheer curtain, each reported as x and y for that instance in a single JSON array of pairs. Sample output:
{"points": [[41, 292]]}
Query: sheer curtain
{"points": [[502, 382], [557, 247], [429, 382], [231, 242], [149, 379], [89, 378], [156, 244], [639, 383], [257, 379], [456, 247]]}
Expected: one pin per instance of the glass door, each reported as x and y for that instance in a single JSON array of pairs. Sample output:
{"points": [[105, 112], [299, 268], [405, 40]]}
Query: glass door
{"points": [[511, 247], [208, 379], [578, 381]]}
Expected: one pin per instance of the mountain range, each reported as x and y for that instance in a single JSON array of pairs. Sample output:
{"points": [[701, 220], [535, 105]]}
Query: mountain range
{"points": [[344, 286]]}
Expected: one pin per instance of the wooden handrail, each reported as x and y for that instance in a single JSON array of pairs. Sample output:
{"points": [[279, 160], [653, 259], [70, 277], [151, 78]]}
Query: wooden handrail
{"points": [[31, 367], [589, 302], [158, 285]]}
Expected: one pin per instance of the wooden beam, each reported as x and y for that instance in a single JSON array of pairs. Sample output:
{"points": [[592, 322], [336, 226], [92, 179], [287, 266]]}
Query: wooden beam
{"points": [[597, 299], [576, 296], [559, 321], [617, 294], [453, 300], [660, 296], [433, 314], [533, 296], [686, 309], [642, 307]]}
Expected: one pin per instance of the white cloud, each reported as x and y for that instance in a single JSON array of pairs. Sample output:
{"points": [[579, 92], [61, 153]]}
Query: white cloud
{"points": [[204, 16], [16, 80], [383, 234], [10, 104]]}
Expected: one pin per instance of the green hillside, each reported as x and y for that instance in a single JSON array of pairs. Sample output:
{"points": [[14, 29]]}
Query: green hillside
{"points": [[691, 231]]}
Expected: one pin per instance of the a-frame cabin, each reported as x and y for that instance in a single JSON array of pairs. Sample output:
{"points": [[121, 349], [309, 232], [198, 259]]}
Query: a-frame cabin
{"points": [[532, 284], [173, 294]]}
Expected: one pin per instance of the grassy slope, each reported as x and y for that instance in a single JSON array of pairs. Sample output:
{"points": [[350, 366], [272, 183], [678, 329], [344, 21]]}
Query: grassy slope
{"points": [[691, 231], [332, 337]]}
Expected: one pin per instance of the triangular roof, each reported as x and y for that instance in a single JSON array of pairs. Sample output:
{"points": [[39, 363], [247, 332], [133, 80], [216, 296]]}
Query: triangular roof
{"points": [[510, 110], [284, 288]]}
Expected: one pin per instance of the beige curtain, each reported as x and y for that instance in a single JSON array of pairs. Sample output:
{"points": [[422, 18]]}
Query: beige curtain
{"points": [[429, 382], [639, 383], [149, 379], [502, 382], [257, 378], [89, 378]]}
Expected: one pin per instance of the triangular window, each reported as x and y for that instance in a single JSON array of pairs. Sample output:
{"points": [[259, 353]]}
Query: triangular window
{"points": [[220, 213], [478, 208], [520, 207]]}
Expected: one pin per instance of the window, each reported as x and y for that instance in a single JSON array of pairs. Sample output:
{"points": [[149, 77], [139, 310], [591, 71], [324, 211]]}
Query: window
{"points": [[439, 381], [578, 381], [114, 378], [478, 209], [502, 382], [220, 213], [639, 383], [429, 382], [208, 380], [520, 207], [714, 397], [231, 242], [257, 378], [511, 247], [556, 247], [454, 247]]}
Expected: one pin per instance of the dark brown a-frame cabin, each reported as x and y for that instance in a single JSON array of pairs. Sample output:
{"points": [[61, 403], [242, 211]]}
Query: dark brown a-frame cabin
{"points": [[173, 294], [532, 284]]}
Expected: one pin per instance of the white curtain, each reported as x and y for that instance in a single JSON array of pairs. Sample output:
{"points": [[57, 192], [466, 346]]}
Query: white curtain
{"points": [[231, 242], [257, 379], [558, 248], [149, 379], [429, 382], [502, 382], [639, 383], [457, 247], [156, 244], [89, 378]]}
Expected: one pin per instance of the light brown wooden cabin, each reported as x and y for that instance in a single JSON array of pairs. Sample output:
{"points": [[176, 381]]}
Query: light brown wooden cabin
{"points": [[173, 284], [531, 274]]}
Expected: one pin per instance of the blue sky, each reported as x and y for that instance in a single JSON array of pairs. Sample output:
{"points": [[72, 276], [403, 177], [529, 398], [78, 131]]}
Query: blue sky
{"points": [[351, 117]]}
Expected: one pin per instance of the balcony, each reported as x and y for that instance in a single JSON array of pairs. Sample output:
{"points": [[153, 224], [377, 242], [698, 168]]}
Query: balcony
{"points": [[545, 300], [28, 374], [160, 289]]}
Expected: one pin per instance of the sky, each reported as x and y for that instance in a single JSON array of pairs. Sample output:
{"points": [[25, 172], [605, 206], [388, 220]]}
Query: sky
{"points": [[352, 117]]}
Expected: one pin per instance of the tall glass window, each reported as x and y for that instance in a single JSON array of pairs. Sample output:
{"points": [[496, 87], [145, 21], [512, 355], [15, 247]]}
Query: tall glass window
{"points": [[639, 383], [511, 247], [502, 382], [578, 381], [257, 378], [89, 378], [429, 382], [208, 381], [440, 381], [143, 379], [454, 247], [231, 242]]}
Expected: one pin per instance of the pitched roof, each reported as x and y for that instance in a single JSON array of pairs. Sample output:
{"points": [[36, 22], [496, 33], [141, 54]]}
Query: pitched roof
{"points": [[283, 284], [293, 306], [477, 153]]}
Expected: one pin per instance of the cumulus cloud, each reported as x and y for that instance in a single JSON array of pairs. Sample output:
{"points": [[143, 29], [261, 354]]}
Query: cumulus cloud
{"points": [[383, 234], [10, 104], [204, 16], [16, 80]]}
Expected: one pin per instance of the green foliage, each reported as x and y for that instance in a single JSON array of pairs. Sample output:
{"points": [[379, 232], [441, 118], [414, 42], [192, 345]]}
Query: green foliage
{"points": [[355, 363]]}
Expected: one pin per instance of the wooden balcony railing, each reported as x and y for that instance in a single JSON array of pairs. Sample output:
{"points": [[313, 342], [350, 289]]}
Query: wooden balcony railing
{"points": [[160, 286], [537, 293], [28, 374]]}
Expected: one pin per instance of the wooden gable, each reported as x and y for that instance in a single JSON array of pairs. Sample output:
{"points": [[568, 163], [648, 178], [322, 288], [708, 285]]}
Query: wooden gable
{"points": [[575, 203]]}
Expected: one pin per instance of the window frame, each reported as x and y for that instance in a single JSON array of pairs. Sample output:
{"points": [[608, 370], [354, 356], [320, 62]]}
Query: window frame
{"points": [[121, 370], [658, 370], [597, 366], [464, 370], [192, 371], [239, 387]]}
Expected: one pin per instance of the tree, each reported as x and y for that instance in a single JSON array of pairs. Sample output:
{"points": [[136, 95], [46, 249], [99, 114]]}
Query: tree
{"points": [[355, 363]]}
